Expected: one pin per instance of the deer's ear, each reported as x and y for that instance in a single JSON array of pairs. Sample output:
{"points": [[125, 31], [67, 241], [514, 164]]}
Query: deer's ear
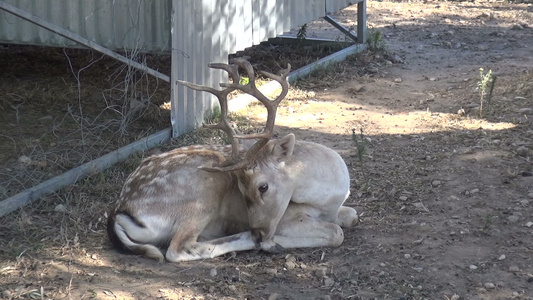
{"points": [[283, 147]]}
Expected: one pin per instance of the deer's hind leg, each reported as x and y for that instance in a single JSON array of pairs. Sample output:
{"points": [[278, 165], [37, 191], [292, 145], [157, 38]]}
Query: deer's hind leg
{"points": [[301, 227], [347, 217]]}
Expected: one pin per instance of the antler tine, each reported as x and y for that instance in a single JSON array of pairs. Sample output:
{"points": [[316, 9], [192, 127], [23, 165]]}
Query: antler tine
{"points": [[222, 96]]}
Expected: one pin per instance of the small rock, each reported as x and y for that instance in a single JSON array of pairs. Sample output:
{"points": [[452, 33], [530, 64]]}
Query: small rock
{"points": [[358, 89], [290, 265], [303, 266], [474, 191], [514, 269], [435, 183], [472, 267], [517, 27], [420, 206], [232, 288], [211, 289], [520, 151], [524, 202], [290, 257], [273, 296], [397, 59], [397, 80], [407, 255], [489, 285], [213, 272], [321, 272], [513, 218], [482, 47], [432, 79], [455, 297], [271, 271], [502, 257], [24, 159], [328, 281], [7, 294], [530, 195], [403, 198], [529, 224], [60, 208]]}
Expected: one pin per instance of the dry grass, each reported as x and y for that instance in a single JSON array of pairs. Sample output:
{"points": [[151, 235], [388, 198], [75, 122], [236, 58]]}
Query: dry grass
{"points": [[66, 107]]}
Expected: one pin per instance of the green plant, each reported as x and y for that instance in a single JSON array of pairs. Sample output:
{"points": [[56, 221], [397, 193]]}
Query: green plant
{"points": [[360, 144], [302, 33], [487, 221], [214, 116], [375, 40], [244, 80], [483, 83]]}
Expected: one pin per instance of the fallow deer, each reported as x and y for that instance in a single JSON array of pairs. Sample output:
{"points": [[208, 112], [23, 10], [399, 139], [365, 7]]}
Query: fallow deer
{"points": [[201, 202]]}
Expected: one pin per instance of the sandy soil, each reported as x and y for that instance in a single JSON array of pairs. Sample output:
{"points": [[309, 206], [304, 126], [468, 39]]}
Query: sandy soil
{"points": [[445, 196]]}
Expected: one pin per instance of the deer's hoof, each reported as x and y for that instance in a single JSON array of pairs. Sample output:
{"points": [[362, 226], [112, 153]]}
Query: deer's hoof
{"points": [[272, 247]]}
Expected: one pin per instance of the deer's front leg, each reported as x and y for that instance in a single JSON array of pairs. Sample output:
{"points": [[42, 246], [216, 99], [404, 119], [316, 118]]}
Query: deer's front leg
{"points": [[193, 250], [267, 245]]}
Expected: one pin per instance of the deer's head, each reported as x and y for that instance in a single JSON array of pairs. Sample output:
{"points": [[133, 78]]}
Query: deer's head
{"points": [[265, 184]]}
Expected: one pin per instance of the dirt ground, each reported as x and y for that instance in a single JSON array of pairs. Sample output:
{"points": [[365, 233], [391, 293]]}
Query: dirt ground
{"points": [[445, 195]]}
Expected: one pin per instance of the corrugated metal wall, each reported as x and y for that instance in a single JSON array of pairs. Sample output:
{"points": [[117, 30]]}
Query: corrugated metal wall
{"points": [[204, 31], [115, 24]]}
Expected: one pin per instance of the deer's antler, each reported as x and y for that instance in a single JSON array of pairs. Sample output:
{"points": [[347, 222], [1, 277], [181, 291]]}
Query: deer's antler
{"points": [[222, 96], [250, 88]]}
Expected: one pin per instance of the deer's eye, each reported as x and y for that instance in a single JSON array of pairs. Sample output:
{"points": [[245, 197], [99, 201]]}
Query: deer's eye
{"points": [[263, 188]]}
